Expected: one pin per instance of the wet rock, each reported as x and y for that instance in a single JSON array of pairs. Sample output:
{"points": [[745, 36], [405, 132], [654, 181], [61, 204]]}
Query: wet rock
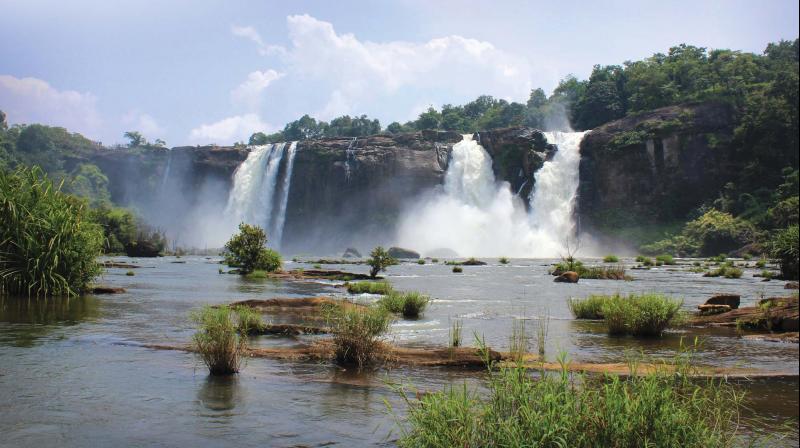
{"points": [[399, 252], [732, 300], [791, 285], [706, 310], [774, 314], [351, 253], [104, 289], [118, 264], [567, 277], [473, 262], [443, 252]]}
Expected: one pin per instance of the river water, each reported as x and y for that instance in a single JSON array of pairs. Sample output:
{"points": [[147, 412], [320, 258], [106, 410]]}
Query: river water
{"points": [[75, 373]]}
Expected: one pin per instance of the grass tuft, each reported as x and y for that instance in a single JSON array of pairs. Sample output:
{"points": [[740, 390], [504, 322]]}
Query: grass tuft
{"points": [[222, 337], [588, 308], [410, 304], [611, 259], [368, 287], [357, 333]]}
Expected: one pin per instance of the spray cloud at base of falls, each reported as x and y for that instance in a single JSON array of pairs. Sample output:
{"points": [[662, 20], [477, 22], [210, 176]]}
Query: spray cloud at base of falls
{"points": [[475, 215]]}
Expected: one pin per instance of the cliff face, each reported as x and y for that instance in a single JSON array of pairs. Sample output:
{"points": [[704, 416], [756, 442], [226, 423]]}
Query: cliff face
{"points": [[654, 167], [343, 192]]}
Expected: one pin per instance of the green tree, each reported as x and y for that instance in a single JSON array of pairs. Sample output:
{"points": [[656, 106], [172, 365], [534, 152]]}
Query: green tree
{"points": [[379, 260], [784, 247], [135, 139], [247, 251]]}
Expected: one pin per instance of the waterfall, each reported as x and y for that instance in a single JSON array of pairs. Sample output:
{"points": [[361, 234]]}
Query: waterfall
{"points": [[350, 155], [251, 197], [553, 199], [280, 219], [165, 176], [475, 215]]}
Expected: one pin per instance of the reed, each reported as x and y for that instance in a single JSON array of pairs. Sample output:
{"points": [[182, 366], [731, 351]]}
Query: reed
{"points": [[357, 333], [410, 304], [48, 247], [454, 334], [219, 340], [369, 287]]}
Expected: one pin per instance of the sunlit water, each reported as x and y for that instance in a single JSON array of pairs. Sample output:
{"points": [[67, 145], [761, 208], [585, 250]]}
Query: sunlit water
{"points": [[76, 374]]}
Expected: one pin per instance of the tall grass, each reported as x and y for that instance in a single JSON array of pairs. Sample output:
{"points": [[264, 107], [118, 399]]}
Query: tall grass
{"points": [[590, 272], [48, 247], [665, 259], [357, 333], [410, 304], [542, 329], [611, 259], [645, 315], [222, 337], [727, 270], [519, 341], [381, 287], [588, 308], [454, 334], [664, 408]]}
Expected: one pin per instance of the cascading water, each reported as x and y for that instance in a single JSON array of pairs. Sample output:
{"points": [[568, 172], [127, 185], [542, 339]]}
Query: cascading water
{"points": [[280, 219], [165, 176], [350, 155], [476, 216], [251, 198]]}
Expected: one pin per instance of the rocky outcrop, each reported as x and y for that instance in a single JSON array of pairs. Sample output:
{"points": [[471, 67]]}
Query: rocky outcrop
{"points": [[655, 166], [516, 153], [730, 300], [399, 252], [567, 277]]}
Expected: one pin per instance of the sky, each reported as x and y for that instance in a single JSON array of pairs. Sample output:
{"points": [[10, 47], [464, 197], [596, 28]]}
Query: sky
{"points": [[203, 72]]}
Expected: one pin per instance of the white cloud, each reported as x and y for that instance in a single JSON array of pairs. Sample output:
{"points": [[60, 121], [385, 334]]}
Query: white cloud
{"points": [[248, 93], [357, 73], [248, 32], [32, 100], [229, 130], [144, 123]]}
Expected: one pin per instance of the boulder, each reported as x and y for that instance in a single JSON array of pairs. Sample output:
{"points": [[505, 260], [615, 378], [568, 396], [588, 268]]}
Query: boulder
{"points": [[791, 285], [103, 289], [732, 300], [399, 252], [567, 277], [351, 253], [473, 262], [707, 310]]}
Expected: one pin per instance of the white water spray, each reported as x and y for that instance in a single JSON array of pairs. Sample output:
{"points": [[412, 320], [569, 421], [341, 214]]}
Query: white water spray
{"points": [[280, 220], [477, 216]]}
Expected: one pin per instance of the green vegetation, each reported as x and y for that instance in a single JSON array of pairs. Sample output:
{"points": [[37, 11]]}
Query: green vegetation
{"points": [[519, 341], [48, 247], [635, 314], [611, 259], [454, 334], [588, 308], [130, 273], [644, 315], [641, 259], [665, 259], [246, 251], [421, 261], [711, 233], [357, 333], [664, 408], [382, 287], [410, 304], [222, 337], [590, 272], [784, 247], [503, 260], [379, 259], [457, 269], [727, 270]]}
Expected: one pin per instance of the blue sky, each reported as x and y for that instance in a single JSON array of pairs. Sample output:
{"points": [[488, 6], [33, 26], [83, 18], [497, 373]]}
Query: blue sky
{"points": [[194, 72]]}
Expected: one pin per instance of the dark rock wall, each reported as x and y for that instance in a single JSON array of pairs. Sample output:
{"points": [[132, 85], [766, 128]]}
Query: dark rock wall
{"points": [[654, 167]]}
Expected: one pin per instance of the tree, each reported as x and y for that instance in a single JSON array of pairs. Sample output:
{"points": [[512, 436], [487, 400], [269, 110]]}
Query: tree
{"points": [[379, 260], [784, 247], [134, 139], [257, 139], [428, 120], [247, 251], [394, 128]]}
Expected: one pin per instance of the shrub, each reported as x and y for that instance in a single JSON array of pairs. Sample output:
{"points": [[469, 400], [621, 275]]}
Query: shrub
{"points": [[220, 341], [369, 287], [761, 264], [660, 409], [588, 308], [641, 258], [130, 273], [640, 315], [409, 304], [48, 247], [421, 261], [784, 247], [666, 259], [727, 270], [246, 250], [458, 269], [379, 260], [434, 260], [713, 232], [357, 333], [611, 259], [503, 260]]}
